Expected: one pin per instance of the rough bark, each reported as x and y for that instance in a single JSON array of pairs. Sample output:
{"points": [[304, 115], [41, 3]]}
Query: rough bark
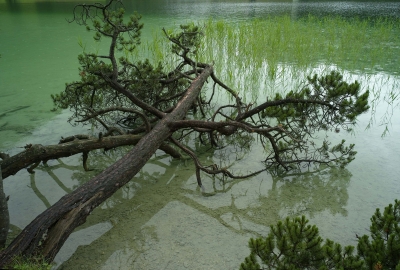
{"points": [[34, 154], [47, 232], [4, 216]]}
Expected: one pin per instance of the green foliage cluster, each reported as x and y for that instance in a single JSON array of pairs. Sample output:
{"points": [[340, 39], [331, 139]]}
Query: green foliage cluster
{"points": [[384, 247], [343, 95], [293, 244], [115, 21], [144, 80], [187, 39], [330, 90], [324, 103]]}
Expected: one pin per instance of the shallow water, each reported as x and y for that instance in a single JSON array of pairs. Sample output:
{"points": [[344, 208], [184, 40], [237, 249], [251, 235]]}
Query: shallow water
{"points": [[161, 220]]}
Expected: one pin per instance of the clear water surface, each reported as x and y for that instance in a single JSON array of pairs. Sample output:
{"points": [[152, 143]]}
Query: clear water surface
{"points": [[161, 220]]}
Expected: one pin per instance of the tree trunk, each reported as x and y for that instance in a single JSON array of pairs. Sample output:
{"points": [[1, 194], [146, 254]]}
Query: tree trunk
{"points": [[4, 216], [52, 228]]}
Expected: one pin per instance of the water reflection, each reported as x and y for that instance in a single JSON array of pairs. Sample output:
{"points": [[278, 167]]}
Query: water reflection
{"points": [[239, 10], [234, 10], [38, 193], [160, 220], [310, 193]]}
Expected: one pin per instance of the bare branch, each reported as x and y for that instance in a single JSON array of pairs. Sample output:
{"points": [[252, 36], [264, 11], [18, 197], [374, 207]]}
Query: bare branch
{"points": [[215, 170]]}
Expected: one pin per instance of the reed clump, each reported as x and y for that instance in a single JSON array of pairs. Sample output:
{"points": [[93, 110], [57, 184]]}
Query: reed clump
{"points": [[277, 53], [270, 53]]}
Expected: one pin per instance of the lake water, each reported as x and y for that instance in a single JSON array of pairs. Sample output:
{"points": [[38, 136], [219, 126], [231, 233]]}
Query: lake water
{"points": [[161, 220]]}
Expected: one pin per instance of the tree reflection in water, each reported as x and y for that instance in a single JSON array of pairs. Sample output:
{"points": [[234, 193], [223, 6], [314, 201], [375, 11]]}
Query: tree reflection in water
{"points": [[165, 193]]}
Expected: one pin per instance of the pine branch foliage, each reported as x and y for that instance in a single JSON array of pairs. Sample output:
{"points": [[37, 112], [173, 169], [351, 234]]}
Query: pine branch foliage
{"points": [[294, 244]]}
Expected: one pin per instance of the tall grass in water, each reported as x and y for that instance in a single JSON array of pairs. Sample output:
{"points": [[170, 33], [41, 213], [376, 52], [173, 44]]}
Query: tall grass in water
{"points": [[262, 56], [275, 53]]}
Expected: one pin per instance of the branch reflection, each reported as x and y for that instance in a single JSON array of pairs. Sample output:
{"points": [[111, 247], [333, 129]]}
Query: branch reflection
{"points": [[163, 199]]}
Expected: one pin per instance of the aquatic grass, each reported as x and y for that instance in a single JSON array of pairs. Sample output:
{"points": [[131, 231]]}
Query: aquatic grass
{"points": [[263, 50], [302, 42], [259, 57]]}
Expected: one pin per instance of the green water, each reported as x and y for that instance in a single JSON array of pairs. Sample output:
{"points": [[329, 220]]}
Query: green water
{"points": [[161, 220]]}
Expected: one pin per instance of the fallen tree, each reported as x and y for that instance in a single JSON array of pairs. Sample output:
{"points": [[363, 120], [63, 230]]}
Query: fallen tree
{"points": [[136, 103]]}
